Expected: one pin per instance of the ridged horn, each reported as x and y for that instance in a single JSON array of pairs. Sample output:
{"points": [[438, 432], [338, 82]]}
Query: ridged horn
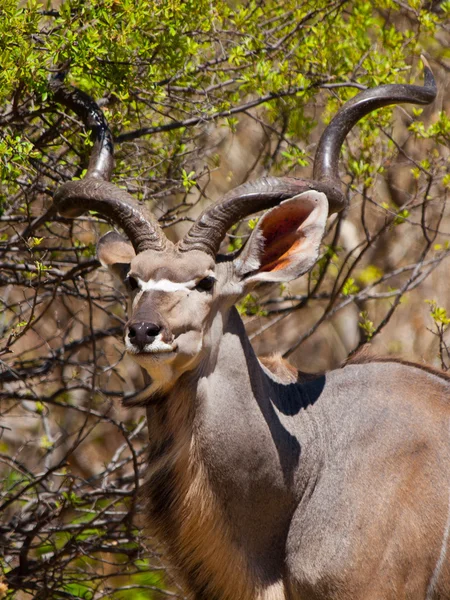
{"points": [[208, 231], [327, 154], [94, 191]]}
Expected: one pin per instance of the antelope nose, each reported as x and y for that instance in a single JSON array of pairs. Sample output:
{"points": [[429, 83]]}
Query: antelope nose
{"points": [[141, 334]]}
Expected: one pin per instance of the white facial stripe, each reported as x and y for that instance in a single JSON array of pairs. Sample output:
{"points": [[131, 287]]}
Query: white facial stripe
{"points": [[165, 285]]}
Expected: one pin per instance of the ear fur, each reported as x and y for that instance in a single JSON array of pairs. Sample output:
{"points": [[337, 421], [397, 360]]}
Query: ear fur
{"points": [[286, 241], [116, 253]]}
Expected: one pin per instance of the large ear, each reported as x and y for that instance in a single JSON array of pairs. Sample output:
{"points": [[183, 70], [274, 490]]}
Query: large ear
{"points": [[116, 253], [285, 243]]}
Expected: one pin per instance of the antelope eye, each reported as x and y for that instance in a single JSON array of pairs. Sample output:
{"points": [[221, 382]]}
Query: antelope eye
{"points": [[206, 284], [132, 283]]}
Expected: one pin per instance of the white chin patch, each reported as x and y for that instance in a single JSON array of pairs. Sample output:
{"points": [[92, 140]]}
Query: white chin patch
{"points": [[156, 347]]}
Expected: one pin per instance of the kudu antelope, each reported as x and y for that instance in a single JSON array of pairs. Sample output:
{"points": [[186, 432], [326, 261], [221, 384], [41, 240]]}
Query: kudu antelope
{"points": [[259, 485]]}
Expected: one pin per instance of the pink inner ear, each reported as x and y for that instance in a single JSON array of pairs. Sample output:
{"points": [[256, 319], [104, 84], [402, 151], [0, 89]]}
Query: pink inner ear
{"points": [[282, 233]]}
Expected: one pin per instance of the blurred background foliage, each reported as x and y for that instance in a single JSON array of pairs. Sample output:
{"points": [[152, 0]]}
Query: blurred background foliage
{"points": [[200, 97]]}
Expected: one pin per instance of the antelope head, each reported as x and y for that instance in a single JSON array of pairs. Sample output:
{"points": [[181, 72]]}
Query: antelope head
{"points": [[181, 292]]}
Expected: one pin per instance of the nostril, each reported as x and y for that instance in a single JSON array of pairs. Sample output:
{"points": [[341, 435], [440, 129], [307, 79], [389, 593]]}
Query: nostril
{"points": [[131, 332], [153, 330]]}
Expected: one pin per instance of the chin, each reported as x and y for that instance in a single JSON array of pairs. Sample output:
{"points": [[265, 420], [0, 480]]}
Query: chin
{"points": [[169, 362], [146, 359]]}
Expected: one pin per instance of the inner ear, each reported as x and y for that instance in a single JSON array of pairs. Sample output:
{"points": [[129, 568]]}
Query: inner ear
{"points": [[283, 236], [286, 241], [116, 253]]}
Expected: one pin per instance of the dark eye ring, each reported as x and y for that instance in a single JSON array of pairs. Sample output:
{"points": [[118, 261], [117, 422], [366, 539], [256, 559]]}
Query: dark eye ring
{"points": [[206, 284], [132, 283]]}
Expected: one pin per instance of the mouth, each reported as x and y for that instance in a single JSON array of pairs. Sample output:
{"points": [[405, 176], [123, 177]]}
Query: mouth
{"points": [[156, 348]]}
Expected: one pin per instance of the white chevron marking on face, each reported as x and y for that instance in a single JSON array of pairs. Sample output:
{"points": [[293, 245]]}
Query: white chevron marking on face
{"points": [[165, 285]]}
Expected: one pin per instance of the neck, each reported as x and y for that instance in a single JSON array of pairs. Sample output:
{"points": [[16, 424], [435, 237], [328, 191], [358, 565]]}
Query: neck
{"points": [[222, 454]]}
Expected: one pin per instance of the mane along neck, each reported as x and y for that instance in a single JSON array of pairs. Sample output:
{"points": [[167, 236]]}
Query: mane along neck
{"points": [[183, 510]]}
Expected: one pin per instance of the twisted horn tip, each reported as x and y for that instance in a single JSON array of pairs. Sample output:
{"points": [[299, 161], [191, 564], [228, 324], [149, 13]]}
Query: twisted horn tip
{"points": [[429, 80]]}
